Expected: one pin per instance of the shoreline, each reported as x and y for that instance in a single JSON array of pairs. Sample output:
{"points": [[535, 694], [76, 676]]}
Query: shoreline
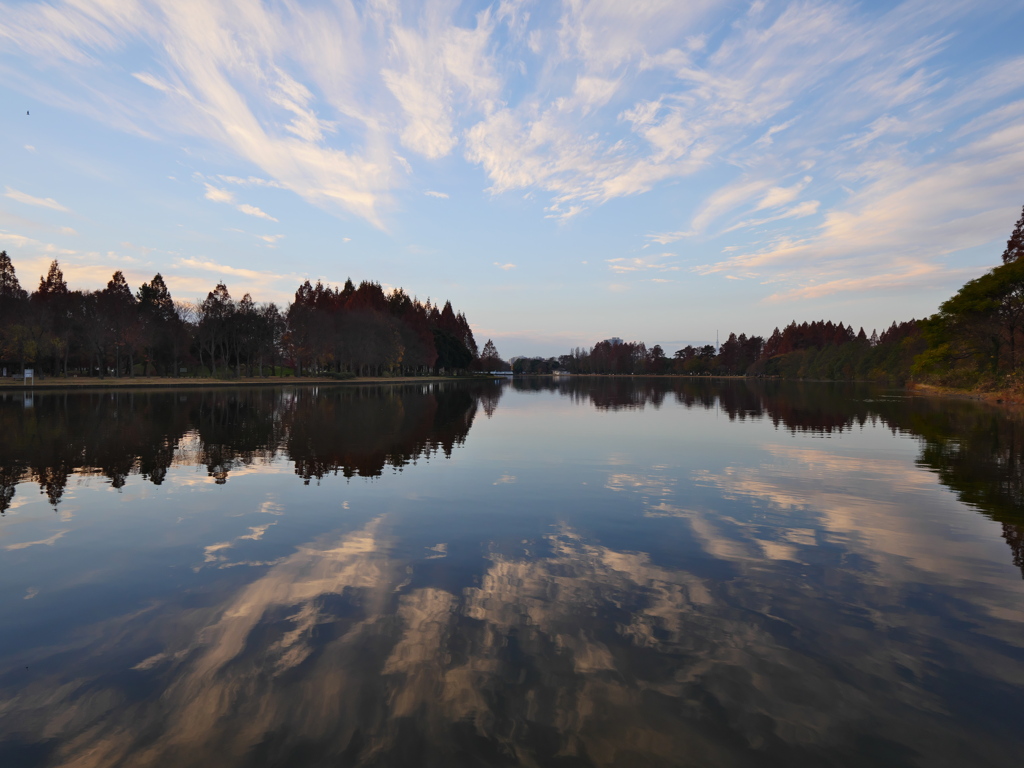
{"points": [[1003, 398], [154, 382], [1000, 397]]}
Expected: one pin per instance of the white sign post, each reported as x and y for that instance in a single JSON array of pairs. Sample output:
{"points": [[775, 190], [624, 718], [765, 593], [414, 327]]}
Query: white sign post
{"points": [[30, 374]]}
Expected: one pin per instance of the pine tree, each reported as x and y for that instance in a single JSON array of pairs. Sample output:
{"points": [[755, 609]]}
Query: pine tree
{"points": [[1015, 245]]}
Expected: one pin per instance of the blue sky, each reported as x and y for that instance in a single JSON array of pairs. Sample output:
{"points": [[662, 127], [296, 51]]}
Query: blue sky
{"points": [[563, 172]]}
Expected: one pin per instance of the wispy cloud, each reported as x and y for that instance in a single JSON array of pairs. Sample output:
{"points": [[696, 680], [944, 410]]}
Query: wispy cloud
{"points": [[658, 263], [505, 267], [814, 134], [43, 202], [252, 210], [903, 214], [251, 181], [48, 542], [218, 195], [806, 208], [225, 269]]}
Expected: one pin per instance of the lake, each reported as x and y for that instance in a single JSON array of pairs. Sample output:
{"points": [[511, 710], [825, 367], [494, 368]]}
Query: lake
{"points": [[581, 572]]}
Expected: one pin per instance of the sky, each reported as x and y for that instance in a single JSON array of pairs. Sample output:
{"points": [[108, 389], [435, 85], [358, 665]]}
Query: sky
{"points": [[563, 172]]}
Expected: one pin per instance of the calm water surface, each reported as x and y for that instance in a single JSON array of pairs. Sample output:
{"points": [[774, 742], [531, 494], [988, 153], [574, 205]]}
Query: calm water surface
{"points": [[584, 573]]}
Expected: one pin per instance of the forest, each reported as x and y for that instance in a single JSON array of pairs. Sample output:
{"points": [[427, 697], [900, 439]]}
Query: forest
{"points": [[325, 331], [814, 350]]}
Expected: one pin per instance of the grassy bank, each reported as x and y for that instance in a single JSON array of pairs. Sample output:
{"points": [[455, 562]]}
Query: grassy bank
{"points": [[1005, 395]]}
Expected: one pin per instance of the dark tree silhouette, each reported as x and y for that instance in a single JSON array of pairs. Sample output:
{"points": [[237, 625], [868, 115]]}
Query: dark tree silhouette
{"points": [[1015, 245], [339, 331], [10, 288], [490, 360]]}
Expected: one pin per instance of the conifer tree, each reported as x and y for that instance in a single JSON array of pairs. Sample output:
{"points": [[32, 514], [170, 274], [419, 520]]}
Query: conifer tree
{"points": [[1015, 245], [490, 360], [53, 283], [10, 288]]}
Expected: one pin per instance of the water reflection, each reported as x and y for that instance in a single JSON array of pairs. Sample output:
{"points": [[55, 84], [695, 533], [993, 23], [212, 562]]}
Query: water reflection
{"points": [[977, 450], [324, 431], [788, 600]]}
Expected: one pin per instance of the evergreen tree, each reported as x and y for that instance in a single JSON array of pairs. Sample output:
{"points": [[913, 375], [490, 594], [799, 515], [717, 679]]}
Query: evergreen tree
{"points": [[10, 288], [155, 298], [1015, 245], [53, 283], [490, 360], [119, 310]]}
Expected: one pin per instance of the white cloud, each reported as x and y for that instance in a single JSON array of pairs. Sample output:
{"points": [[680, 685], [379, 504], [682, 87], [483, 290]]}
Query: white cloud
{"points": [[218, 195], [892, 231], [43, 202], [30, 148], [252, 210], [778, 196], [432, 193], [578, 106], [438, 66], [505, 267], [251, 181], [224, 269], [250, 80]]}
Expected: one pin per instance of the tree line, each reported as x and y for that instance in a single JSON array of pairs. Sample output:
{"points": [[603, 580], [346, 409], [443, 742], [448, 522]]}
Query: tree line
{"points": [[976, 339], [820, 350], [334, 331]]}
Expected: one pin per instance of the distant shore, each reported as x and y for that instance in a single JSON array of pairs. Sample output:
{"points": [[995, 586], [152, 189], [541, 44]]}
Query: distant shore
{"points": [[157, 382], [996, 397]]}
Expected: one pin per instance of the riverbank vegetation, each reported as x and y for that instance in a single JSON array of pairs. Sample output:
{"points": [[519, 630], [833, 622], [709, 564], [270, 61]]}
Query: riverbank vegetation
{"points": [[328, 331], [974, 342]]}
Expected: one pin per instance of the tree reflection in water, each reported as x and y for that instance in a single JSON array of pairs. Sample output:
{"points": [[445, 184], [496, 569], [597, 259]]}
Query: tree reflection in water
{"points": [[976, 449], [324, 431], [550, 650]]}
